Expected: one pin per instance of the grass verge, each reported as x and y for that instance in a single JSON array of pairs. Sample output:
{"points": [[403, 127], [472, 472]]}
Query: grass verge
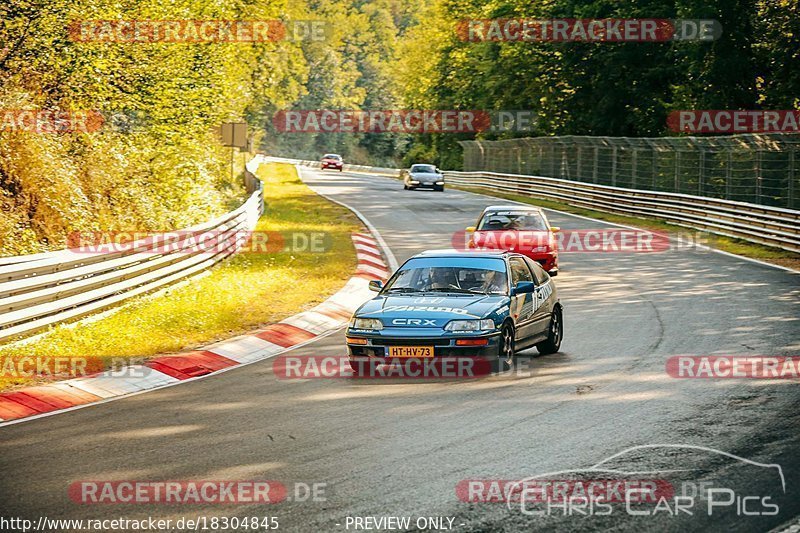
{"points": [[726, 244], [247, 291]]}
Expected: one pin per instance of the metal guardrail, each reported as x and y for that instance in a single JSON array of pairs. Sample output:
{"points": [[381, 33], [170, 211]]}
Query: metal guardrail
{"points": [[393, 172], [761, 169], [771, 226], [39, 290]]}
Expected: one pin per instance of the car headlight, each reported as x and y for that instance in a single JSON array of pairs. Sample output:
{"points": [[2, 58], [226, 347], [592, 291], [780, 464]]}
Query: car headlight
{"points": [[470, 325], [365, 323]]}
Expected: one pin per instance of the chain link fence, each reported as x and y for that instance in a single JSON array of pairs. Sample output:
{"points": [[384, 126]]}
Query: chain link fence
{"points": [[761, 169]]}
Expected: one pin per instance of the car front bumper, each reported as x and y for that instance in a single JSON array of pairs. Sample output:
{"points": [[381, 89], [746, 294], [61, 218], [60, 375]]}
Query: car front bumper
{"points": [[426, 185], [443, 345]]}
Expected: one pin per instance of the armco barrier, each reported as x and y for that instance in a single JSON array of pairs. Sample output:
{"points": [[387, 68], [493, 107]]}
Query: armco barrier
{"points": [[393, 172], [42, 289], [771, 226]]}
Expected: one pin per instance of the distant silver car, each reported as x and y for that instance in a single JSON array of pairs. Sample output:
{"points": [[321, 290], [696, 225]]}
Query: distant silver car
{"points": [[422, 175]]}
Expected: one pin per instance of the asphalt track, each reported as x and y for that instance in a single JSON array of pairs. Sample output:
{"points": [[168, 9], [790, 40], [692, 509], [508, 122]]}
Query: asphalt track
{"points": [[399, 448]]}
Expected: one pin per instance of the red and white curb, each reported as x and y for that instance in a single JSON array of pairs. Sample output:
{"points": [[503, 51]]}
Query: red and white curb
{"points": [[159, 372]]}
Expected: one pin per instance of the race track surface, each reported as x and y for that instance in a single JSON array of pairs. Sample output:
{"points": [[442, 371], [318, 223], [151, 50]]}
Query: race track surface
{"points": [[399, 448]]}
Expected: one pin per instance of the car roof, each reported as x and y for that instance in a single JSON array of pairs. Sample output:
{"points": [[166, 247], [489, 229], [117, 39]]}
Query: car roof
{"points": [[512, 207], [449, 252], [331, 155]]}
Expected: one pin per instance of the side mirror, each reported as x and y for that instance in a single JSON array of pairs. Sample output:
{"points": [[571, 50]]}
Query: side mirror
{"points": [[555, 229], [438, 171], [375, 285], [470, 229], [523, 287]]}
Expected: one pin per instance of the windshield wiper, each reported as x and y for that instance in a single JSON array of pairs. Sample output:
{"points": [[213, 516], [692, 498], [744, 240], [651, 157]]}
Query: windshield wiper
{"points": [[456, 290], [402, 289], [478, 291]]}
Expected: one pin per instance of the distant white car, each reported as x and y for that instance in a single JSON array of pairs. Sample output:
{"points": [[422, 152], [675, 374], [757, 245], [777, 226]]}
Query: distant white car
{"points": [[423, 175]]}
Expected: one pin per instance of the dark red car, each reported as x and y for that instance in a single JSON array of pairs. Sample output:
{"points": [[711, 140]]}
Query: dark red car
{"points": [[333, 161], [520, 229]]}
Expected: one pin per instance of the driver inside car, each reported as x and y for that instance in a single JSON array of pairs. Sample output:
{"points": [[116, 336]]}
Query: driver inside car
{"points": [[443, 278], [493, 282]]}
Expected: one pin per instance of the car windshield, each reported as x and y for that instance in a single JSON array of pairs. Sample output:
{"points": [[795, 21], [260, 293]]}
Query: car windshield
{"points": [[469, 275], [512, 220], [332, 156], [424, 169]]}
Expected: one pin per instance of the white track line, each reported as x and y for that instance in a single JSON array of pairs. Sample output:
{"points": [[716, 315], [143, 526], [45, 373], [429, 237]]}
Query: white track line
{"points": [[393, 265]]}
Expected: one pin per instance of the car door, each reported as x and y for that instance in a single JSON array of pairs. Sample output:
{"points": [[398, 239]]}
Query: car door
{"points": [[542, 303], [522, 305]]}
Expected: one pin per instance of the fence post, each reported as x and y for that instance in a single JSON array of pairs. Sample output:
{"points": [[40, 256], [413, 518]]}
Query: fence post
{"points": [[541, 159], [677, 166], [578, 172], [594, 170], [758, 176], [614, 167], [655, 168], [729, 175], [791, 179], [701, 174], [634, 158]]}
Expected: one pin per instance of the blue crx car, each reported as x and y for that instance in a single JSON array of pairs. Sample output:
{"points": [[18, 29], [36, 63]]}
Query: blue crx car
{"points": [[449, 303]]}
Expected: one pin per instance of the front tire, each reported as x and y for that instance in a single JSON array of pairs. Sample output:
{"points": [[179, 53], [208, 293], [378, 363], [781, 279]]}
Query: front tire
{"points": [[555, 333], [505, 355], [440, 189]]}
